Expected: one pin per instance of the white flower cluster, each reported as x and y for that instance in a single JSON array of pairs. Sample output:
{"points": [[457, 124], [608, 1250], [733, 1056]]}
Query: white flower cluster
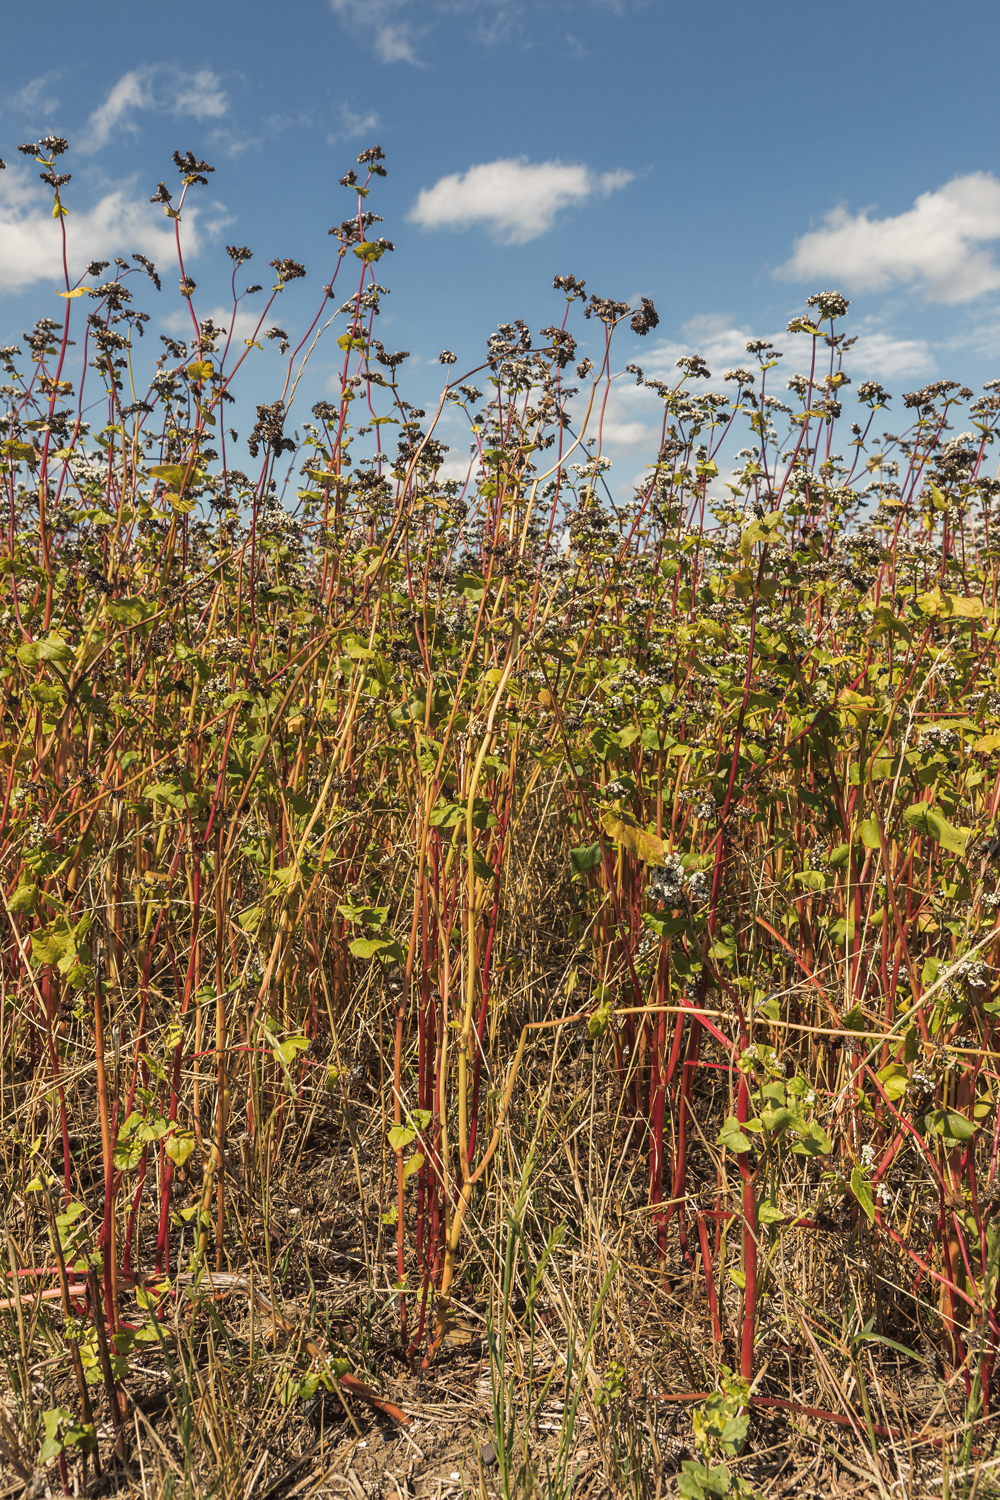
{"points": [[667, 882]]}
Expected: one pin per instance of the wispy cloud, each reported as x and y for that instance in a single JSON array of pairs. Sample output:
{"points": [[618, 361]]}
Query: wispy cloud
{"points": [[937, 244], [132, 92], [386, 25], [155, 87], [31, 244], [394, 29], [518, 200], [34, 99], [350, 125]]}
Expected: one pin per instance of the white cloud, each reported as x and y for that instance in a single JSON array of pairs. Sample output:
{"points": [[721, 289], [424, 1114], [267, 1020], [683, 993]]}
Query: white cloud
{"points": [[131, 92], [723, 346], [159, 88], [31, 242], [351, 125], [384, 24], [242, 327], [517, 199], [712, 336], [232, 145], [33, 98], [200, 94], [395, 28], [881, 354], [937, 244]]}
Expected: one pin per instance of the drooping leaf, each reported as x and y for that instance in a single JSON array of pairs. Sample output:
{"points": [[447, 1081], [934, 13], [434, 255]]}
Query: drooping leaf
{"points": [[625, 830], [861, 1188], [414, 1164]]}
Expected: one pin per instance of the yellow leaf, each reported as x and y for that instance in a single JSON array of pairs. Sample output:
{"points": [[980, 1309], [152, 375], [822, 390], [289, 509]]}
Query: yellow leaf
{"points": [[78, 291], [200, 370], [625, 830], [711, 628], [855, 705], [937, 602], [966, 605], [987, 743], [177, 504], [178, 1145]]}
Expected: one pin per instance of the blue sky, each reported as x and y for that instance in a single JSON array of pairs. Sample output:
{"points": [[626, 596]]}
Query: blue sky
{"points": [[724, 159]]}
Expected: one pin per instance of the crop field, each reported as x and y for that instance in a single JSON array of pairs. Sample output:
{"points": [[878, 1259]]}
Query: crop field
{"points": [[498, 980]]}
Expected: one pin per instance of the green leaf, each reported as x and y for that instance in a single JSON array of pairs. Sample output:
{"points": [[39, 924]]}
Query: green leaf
{"points": [[414, 1164], [731, 1136], [777, 1120], [173, 474], [895, 1079], [813, 1141], [446, 814], [399, 1137], [52, 1445], [471, 585], [369, 916], [770, 1213], [861, 1188], [482, 866], [52, 943], [950, 1126], [178, 1145], [868, 832], [369, 250], [377, 947], [285, 1052], [663, 926], [170, 792], [923, 818], [587, 857], [126, 611], [597, 1023], [23, 898]]}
